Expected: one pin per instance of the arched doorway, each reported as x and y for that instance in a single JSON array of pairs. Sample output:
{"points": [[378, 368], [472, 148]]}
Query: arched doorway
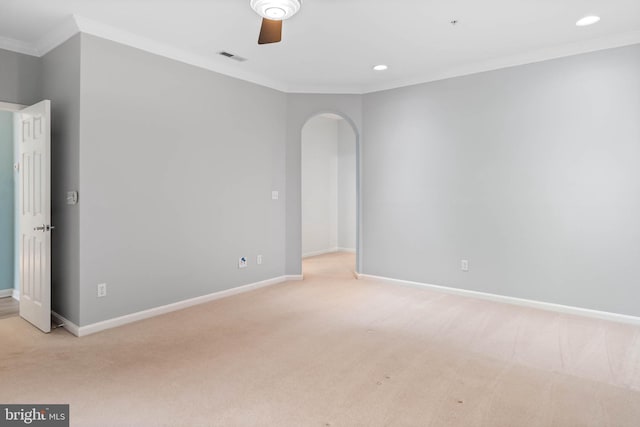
{"points": [[330, 192]]}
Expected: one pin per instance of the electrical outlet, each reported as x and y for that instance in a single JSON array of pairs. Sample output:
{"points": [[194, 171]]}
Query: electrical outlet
{"points": [[259, 259], [102, 290], [275, 195], [242, 262], [464, 265]]}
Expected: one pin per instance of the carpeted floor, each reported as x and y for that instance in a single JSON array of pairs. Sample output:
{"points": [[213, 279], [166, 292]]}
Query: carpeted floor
{"points": [[8, 308], [334, 351]]}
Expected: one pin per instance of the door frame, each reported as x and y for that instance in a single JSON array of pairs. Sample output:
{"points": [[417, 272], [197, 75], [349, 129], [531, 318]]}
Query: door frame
{"points": [[14, 108], [356, 132]]}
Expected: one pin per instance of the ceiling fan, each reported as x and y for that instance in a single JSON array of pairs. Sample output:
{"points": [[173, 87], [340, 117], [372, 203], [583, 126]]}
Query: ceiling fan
{"points": [[273, 12]]}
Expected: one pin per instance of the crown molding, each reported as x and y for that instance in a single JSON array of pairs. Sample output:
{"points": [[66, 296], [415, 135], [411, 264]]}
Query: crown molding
{"points": [[326, 89], [539, 55], [78, 24], [117, 35], [18, 46], [58, 35]]}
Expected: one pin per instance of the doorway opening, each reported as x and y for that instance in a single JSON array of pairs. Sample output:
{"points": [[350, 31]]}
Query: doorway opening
{"points": [[329, 196], [9, 274], [25, 229]]}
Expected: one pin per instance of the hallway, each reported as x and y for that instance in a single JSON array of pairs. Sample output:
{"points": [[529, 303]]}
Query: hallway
{"points": [[337, 265]]}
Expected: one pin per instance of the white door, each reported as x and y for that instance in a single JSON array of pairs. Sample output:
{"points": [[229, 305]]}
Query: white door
{"points": [[34, 212]]}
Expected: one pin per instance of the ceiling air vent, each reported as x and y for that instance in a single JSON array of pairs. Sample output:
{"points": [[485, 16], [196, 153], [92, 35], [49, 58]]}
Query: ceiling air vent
{"points": [[232, 56]]}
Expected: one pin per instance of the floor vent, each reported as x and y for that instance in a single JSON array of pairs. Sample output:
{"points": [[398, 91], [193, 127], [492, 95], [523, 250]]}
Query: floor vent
{"points": [[232, 56]]}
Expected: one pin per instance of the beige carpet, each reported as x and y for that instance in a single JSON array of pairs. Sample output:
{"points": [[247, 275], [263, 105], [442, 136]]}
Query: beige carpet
{"points": [[334, 351], [8, 308]]}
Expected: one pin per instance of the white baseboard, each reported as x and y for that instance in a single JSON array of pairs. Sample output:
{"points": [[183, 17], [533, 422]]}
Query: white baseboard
{"points": [[81, 331], [16, 294], [294, 277], [349, 250], [6, 293], [322, 252], [559, 308], [328, 251], [67, 324]]}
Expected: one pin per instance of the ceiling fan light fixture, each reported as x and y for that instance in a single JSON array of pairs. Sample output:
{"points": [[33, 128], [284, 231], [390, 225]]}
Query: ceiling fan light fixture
{"points": [[275, 13], [276, 10]]}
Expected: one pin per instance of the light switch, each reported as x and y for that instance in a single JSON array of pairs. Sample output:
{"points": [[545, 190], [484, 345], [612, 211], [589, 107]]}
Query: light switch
{"points": [[72, 197], [274, 195]]}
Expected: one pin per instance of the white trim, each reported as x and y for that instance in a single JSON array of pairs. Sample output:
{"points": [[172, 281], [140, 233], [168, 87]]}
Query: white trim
{"points": [[67, 324], [75, 24], [18, 46], [213, 63], [335, 89], [328, 251], [290, 277], [6, 293], [81, 331], [10, 106], [559, 308], [58, 35], [348, 250], [320, 252], [16, 294], [540, 55]]}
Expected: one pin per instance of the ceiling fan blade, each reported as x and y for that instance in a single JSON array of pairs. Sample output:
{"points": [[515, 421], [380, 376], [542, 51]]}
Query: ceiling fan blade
{"points": [[270, 32]]}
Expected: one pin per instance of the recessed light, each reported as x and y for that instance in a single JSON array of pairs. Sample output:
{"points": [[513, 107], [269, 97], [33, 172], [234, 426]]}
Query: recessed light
{"points": [[380, 67], [587, 20]]}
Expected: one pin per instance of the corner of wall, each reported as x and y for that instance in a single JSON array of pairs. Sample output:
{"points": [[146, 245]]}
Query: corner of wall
{"points": [[60, 81]]}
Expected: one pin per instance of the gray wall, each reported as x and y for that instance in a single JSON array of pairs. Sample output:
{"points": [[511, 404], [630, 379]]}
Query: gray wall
{"points": [[20, 81], [347, 199], [328, 186], [177, 168], [319, 186], [6, 201], [61, 84], [531, 173], [301, 108]]}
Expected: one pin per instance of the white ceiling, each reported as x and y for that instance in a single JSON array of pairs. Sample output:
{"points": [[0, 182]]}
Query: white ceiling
{"points": [[331, 45]]}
